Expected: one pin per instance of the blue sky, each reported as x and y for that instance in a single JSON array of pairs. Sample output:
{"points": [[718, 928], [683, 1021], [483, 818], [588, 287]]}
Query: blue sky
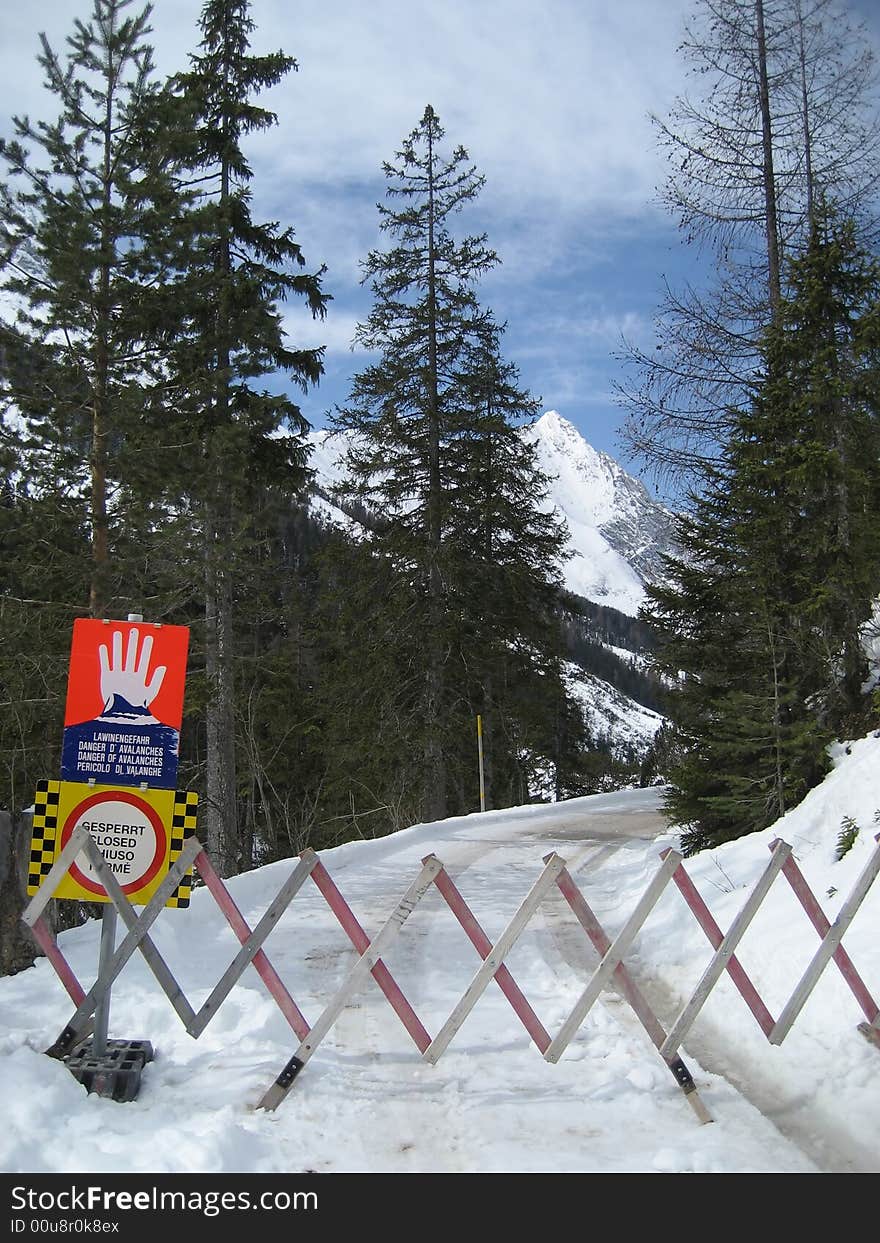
{"points": [[552, 101]]}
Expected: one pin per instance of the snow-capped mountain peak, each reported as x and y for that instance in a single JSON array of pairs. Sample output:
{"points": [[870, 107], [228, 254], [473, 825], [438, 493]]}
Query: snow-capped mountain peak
{"points": [[616, 535], [616, 531], [583, 475]]}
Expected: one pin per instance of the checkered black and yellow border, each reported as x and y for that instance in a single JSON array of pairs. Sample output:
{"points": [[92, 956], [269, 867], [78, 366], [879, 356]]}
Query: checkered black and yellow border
{"points": [[44, 834], [183, 826]]}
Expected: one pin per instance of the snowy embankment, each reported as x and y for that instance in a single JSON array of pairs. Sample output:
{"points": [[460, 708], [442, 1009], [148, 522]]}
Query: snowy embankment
{"points": [[366, 1101], [611, 716]]}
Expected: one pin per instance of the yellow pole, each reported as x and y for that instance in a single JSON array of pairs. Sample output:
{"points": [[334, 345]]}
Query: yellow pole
{"points": [[480, 752]]}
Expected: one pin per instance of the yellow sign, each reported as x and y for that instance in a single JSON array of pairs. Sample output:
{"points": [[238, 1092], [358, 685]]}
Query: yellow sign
{"points": [[140, 833]]}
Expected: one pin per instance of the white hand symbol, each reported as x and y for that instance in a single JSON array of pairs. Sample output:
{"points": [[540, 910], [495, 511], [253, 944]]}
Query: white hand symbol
{"points": [[129, 680]]}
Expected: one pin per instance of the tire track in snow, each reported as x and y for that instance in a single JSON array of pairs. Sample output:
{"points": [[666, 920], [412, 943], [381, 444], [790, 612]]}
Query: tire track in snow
{"points": [[427, 1121], [797, 1117]]}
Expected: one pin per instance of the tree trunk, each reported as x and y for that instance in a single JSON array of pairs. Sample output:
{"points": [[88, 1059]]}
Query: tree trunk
{"points": [[18, 949], [435, 767], [221, 815], [101, 385], [805, 109], [223, 836]]}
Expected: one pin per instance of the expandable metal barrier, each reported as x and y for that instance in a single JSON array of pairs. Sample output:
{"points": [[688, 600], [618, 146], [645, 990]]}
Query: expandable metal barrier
{"points": [[72, 1044]]}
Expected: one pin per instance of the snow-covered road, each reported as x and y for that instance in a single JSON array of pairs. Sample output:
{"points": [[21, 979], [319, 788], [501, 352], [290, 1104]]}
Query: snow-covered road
{"points": [[367, 1101]]}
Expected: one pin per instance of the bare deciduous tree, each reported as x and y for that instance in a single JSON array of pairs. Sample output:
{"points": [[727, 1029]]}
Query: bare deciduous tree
{"points": [[785, 113]]}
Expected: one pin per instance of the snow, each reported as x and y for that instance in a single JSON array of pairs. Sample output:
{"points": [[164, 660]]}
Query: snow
{"points": [[612, 716], [590, 491], [366, 1101], [327, 450], [587, 488], [595, 570]]}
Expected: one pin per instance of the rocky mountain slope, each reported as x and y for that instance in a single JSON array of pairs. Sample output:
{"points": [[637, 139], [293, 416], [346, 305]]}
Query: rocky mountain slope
{"points": [[617, 536], [617, 532]]}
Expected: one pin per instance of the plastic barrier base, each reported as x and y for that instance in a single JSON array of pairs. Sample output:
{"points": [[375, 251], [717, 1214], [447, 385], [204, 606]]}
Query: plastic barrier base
{"points": [[115, 1074]]}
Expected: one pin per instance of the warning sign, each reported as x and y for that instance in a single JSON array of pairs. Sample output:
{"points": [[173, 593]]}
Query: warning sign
{"points": [[130, 834], [139, 833], [124, 703]]}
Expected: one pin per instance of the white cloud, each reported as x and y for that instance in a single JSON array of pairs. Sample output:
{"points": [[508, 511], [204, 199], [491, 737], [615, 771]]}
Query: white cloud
{"points": [[551, 99], [336, 331]]}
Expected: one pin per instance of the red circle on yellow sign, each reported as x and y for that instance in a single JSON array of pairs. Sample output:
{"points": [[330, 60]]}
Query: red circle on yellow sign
{"points": [[129, 833]]}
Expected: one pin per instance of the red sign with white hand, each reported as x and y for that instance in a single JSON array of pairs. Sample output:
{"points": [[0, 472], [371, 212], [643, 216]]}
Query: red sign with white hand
{"points": [[124, 703]]}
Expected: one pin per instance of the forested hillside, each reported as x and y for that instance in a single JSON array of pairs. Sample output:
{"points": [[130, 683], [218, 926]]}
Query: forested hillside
{"points": [[335, 677], [155, 458]]}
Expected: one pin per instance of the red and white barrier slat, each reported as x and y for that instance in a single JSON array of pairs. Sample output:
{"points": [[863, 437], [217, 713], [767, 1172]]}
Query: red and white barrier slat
{"points": [[251, 944], [827, 949], [379, 971], [723, 954], [830, 948], [483, 946], [612, 957], [630, 991], [353, 983], [79, 1025], [495, 958], [734, 968], [138, 938], [610, 972], [63, 969], [818, 919], [50, 882]]}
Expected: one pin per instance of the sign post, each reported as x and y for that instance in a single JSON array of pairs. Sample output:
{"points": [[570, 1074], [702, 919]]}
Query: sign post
{"points": [[102, 1010], [480, 759], [119, 762]]}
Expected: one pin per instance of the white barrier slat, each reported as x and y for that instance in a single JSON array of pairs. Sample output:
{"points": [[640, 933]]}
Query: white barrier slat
{"points": [[139, 926], [160, 969], [355, 980], [823, 955], [43, 896], [725, 952], [251, 947], [495, 958], [483, 946], [630, 991], [612, 958]]}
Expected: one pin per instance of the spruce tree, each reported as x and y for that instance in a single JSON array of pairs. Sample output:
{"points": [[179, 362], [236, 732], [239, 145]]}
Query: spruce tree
{"points": [[424, 307], [764, 617], [464, 622], [746, 746], [44, 566], [223, 334], [821, 405], [505, 551], [79, 213]]}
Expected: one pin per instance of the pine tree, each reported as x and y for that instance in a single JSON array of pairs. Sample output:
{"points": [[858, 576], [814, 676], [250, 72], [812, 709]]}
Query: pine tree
{"points": [[424, 308], [465, 621], [82, 220], [764, 617], [504, 584], [222, 334], [80, 236], [45, 562], [817, 422]]}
